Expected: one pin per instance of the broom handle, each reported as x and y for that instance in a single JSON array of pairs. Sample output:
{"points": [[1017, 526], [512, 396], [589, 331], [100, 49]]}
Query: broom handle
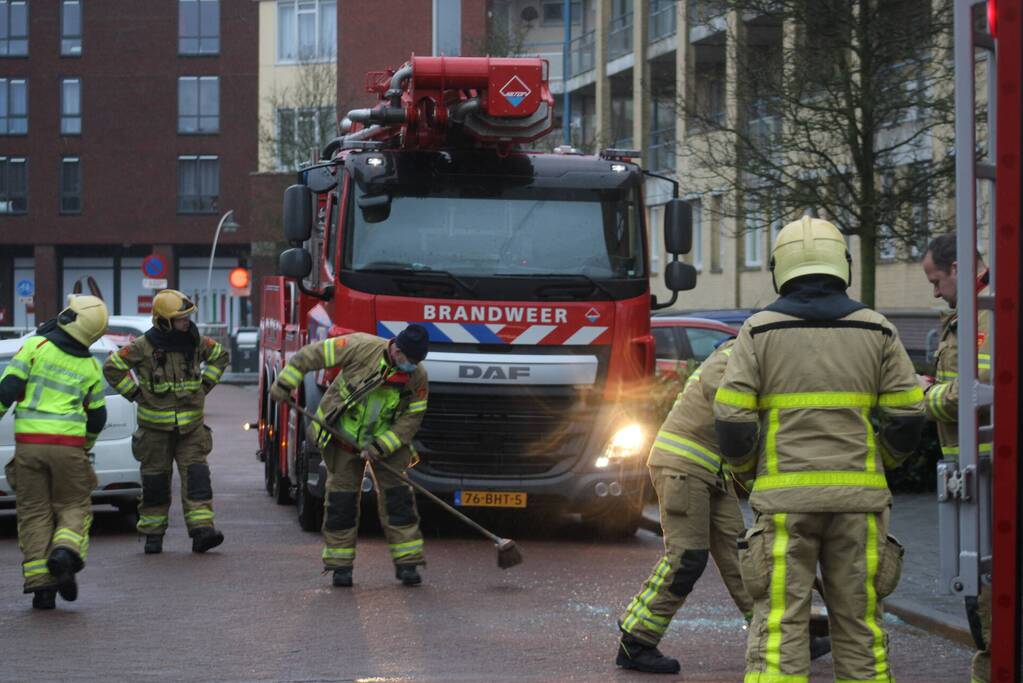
{"points": [[401, 475]]}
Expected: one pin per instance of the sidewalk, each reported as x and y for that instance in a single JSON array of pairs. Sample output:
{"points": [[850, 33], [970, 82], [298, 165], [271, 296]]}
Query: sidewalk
{"points": [[919, 599]]}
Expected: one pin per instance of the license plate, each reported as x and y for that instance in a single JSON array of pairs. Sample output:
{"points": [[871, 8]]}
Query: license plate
{"points": [[490, 499]]}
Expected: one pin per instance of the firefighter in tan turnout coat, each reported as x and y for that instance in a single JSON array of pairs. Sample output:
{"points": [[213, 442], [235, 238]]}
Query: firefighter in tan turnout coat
{"points": [[377, 403], [175, 367], [820, 394]]}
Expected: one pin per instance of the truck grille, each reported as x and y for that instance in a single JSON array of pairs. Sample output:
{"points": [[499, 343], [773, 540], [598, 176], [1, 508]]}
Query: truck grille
{"points": [[503, 435]]}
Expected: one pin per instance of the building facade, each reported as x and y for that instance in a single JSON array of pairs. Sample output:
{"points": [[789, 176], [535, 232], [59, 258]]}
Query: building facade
{"points": [[127, 129]]}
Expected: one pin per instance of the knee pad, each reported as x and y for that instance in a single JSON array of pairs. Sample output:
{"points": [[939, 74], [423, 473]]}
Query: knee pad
{"points": [[199, 486], [689, 570], [341, 510], [156, 489], [401, 509]]}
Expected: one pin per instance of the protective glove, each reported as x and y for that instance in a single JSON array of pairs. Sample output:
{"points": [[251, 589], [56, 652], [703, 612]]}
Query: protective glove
{"points": [[280, 392], [371, 453]]}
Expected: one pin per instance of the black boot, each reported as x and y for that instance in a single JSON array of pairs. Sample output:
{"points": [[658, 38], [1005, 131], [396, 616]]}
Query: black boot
{"points": [[819, 646], [205, 538], [342, 577], [154, 544], [407, 574], [633, 654], [63, 564], [44, 598]]}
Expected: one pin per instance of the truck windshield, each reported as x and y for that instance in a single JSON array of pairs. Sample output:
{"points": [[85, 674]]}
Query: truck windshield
{"points": [[524, 231]]}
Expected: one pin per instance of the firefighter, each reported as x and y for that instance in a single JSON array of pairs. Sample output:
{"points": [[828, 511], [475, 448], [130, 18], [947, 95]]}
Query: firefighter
{"points": [[377, 402], [821, 396], [58, 387], [942, 404], [700, 517], [175, 367]]}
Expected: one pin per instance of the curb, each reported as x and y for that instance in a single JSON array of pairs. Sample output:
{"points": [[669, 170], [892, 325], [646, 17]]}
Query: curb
{"points": [[931, 620], [240, 378]]}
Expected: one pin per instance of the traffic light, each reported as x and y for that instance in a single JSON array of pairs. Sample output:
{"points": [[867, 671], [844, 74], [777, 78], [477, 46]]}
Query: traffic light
{"points": [[240, 280]]}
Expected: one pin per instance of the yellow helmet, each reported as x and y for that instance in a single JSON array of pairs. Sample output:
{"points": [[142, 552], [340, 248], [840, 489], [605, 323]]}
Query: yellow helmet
{"points": [[810, 246], [85, 318], [169, 304]]}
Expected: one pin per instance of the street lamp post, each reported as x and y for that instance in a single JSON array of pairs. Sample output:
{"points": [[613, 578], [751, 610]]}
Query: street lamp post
{"points": [[226, 223]]}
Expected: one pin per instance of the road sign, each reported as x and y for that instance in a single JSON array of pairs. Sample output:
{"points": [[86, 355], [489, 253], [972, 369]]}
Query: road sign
{"points": [[145, 304], [154, 282], [154, 266], [25, 287]]}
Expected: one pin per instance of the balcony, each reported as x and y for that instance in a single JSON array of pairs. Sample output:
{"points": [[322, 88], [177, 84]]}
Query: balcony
{"points": [[661, 155], [663, 19], [619, 36], [582, 54]]}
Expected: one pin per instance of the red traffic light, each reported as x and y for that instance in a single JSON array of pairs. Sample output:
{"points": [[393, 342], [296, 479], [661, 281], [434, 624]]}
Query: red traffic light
{"points": [[239, 278], [992, 18]]}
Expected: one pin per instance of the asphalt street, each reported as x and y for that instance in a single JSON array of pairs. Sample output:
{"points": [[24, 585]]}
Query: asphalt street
{"points": [[259, 609]]}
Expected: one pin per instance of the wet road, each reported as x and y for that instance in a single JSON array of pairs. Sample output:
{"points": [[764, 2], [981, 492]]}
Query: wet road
{"points": [[257, 608]]}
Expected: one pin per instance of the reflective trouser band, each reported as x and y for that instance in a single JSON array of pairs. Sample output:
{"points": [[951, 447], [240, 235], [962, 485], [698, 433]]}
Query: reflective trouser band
{"points": [[34, 568], [785, 480], [400, 550], [639, 609], [338, 553], [779, 549], [761, 677], [66, 537], [416, 407], [687, 448], [390, 441], [200, 515], [152, 521], [291, 376], [870, 614]]}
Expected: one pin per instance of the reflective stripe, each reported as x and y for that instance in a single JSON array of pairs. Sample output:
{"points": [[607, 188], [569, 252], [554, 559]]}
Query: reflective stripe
{"points": [[215, 352], [399, 550], [198, 515], [126, 386], [18, 368], [338, 553], [34, 568], [156, 415], [880, 658], [83, 549], [819, 400], [328, 352], [213, 371], [39, 415], [65, 534], [639, 610], [688, 449], [95, 398], [184, 385], [291, 375], [771, 442], [983, 361], [954, 450], [946, 375], [118, 362], [736, 399], [871, 465], [761, 677], [416, 407], [72, 390], [390, 440], [786, 480], [187, 417], [151, 521], [901, 399], [935, 400], [772, 651]]}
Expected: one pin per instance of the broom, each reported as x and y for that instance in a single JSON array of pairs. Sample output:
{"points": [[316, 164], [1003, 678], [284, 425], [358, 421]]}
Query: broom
{"points": [[508, 554]]}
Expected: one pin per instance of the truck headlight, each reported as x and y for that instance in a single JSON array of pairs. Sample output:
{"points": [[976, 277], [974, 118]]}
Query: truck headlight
{"points": [[627, 442]]}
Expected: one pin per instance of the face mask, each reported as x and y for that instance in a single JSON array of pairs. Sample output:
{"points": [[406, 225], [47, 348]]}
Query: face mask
{"points": [[406, 367]]}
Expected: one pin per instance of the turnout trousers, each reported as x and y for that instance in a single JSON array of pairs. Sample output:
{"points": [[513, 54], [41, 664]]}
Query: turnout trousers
{"points": [[860, 565], [700, 516], [980, 668], [54, 487], [396, 505], [158, 451]]}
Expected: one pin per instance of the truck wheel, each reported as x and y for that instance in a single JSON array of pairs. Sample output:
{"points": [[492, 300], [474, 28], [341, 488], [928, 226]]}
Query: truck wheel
{"points": [[310, 508], [616, 523], [281, 487], [269, 468]]}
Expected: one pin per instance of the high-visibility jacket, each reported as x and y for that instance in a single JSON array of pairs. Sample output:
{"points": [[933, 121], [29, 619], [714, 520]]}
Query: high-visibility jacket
{"points": [[169, 386], [59, 390], [370, 402], [813, 388], [942, 397], [687, 440]]}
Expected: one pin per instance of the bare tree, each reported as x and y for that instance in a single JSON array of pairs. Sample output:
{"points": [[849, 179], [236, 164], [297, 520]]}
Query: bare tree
{"points": [[303, 117], [842, 107]]}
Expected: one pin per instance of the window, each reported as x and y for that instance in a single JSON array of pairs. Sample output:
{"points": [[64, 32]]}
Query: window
{"points": [[71, 106], [198, 27], [717, 238], [13, 185], [554, 13], [301, 130], [702, 342], [71, 28], [198, 104], [198, 184], [306, 30], [753, 235], [70, 185], [13, 28], [697, 233], [13, 106], [666, 343]]}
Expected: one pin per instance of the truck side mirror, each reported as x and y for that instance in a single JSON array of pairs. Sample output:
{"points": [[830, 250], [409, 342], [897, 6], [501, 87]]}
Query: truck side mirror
{"points": [[298, 214], [678, 227], [678, 276], [375, 208], [295, 263]]}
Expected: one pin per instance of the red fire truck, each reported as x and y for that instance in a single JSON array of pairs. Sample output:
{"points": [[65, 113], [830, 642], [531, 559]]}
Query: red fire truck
{"points": [[530, 271]]}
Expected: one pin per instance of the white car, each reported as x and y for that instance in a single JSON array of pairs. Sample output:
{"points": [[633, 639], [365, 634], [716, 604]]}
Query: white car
{"points": [[123, 329], [120, 482]]}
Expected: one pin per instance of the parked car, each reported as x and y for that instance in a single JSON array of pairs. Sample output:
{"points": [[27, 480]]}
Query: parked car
{"points": [[120, 482], [122, 329], [678, 338], [729, 316]]}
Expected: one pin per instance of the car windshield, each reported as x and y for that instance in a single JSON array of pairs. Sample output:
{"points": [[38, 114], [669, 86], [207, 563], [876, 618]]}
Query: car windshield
{"points": [[100, 356], [520, 232]]}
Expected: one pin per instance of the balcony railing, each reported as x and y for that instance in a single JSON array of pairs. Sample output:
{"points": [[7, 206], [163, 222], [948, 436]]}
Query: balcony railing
{"points": [[765, 131], [619, 36], [552, 51], [663, 19], [704, 11], [582, 52], [662, 150]]}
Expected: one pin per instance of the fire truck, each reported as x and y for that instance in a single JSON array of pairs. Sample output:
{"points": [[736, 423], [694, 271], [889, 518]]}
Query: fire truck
{"points": [[530, 271], [980, 507]]}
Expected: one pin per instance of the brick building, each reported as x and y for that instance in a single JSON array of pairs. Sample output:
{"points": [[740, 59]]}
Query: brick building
{"points": [[126, 128]]}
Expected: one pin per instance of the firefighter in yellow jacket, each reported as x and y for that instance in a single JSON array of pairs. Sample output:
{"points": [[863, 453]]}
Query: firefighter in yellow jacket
{"points": [[58, 388], [174, 368], [377, 403], [820, 394], [942, 403]]}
